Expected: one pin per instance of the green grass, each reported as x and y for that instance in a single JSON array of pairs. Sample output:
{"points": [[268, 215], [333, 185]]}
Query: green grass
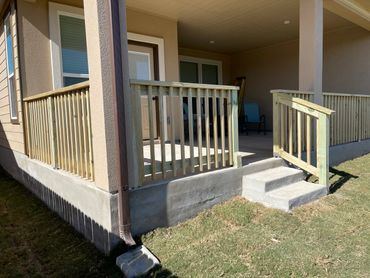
{"points": [[34, 242], [328, 238]]}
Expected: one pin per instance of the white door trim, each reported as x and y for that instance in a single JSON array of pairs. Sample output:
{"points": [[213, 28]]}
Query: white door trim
{"points": [[159, 42]]}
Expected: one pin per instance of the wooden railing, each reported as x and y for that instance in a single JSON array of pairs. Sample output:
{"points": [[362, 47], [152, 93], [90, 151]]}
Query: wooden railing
{"points": [[295, 121], [351, 122], [58, 129], [184, 128]]}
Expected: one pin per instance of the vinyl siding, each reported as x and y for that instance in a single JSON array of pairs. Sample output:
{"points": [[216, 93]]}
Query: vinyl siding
{"points": [[11, 134]]}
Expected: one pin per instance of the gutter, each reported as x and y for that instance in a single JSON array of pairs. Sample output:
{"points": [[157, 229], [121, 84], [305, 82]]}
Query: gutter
{"points": [[138, 260]]}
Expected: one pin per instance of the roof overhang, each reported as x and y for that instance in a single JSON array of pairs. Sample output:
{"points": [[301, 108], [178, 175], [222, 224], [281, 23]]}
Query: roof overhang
{"points": [[356, 11]]}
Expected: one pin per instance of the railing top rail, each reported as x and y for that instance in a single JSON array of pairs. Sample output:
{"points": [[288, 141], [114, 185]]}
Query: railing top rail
{"points": [[182, 85], [278, 91], [324, 93], [345, 95], [308, 104], [60, 91]]}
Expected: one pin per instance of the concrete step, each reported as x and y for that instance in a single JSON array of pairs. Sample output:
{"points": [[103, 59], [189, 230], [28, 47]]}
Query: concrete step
{"points": [[271, 179], [262, 165], [294, 195]]}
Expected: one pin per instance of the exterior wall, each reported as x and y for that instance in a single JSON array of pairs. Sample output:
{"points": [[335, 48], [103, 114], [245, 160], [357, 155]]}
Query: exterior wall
{"points": [[35, 57], [346, 67], [227, 78], [11, 133], [150, 25]]}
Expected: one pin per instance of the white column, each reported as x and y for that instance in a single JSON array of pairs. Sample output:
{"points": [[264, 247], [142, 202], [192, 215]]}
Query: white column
{"points": [[311, 47], [99, 40]]}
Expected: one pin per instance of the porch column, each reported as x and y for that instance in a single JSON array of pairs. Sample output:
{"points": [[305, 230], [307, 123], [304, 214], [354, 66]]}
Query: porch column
{"points": [[99, 40], [311, 48]]}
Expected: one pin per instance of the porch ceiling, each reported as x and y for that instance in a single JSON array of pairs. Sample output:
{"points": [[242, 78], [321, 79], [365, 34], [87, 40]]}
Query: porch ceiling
{"points": [[234, 25]]}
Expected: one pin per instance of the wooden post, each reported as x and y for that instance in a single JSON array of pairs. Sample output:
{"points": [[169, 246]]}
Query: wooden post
{"points": [[52, 132], [275, 119], [323, 149], [136, 94], [235, 127]]}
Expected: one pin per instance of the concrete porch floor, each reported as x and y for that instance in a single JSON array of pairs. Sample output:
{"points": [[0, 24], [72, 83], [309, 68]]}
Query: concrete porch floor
{"points": [[253, 147]]}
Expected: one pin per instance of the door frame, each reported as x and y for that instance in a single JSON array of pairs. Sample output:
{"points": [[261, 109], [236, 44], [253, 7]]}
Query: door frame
{"points": [[159, 42], [202, 61]]}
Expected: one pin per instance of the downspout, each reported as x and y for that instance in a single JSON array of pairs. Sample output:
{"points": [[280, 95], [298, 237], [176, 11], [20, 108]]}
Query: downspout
{"points": [[122, 113]]}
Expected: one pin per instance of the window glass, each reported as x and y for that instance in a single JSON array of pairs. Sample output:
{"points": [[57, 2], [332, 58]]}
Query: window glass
{"points": [[189, 72], [139, 66], [10, 69], [209, 74], [74, 50]]}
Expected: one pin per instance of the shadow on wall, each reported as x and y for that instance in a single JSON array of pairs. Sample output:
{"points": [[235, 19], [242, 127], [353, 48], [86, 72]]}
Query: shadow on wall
{"points": [[104, 240]]}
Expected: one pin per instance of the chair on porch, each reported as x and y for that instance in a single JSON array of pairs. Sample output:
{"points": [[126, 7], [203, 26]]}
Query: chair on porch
{"points": [[252, 117]]}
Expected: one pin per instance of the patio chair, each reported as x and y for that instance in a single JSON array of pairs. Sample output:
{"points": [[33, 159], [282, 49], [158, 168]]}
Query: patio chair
{"points": [[252, 117]]}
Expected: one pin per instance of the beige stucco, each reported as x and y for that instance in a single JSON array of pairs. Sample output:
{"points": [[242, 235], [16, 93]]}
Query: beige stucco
{"points": [[161, 27], [33, 18], [346, 67]]}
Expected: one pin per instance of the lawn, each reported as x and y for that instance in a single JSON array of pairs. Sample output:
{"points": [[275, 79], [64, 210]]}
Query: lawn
{"points": [[330, 237], [34, 242]]}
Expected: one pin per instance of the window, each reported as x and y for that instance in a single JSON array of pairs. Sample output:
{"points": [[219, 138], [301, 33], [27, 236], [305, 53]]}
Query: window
{"points": [[196, 70], [68, 45], [10, 68]]}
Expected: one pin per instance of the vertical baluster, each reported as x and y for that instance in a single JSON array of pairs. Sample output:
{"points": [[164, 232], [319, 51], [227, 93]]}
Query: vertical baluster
{"points": [[222, 120], [308, 144], [229, 128], [91, 153], [173, 134], [199, 130], [76, 135], [207, 126], [283, 126], [85, 144], [299, 134], [151, 131], [71, 133], [182, 131], [162, 122], [191, 134], [215, 134], [290, 131]]}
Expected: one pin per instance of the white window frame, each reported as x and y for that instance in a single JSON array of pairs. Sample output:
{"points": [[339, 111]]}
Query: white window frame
{"points": [[55, 11], [12, 92], [200, 62]]}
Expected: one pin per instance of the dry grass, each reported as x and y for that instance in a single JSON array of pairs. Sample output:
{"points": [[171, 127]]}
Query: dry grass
{"points": [[34, 242], [327, 238]]}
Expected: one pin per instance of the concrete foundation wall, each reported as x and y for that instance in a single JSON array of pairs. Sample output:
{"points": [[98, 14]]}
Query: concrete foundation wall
{"points": [[91, 211], [341, 153], [168, 203]]}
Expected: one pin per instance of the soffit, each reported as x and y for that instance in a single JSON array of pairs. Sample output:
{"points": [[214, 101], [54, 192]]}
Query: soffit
{"points": [[234, 25]]}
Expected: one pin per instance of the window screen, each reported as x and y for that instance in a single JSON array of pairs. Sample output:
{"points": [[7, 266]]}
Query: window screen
{"points": [[74, 50]]}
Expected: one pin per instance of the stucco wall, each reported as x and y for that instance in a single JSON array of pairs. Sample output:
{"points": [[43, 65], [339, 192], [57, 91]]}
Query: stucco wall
{"points": [[11, 133], [34, 44], [346, 67], [150, 25]]}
